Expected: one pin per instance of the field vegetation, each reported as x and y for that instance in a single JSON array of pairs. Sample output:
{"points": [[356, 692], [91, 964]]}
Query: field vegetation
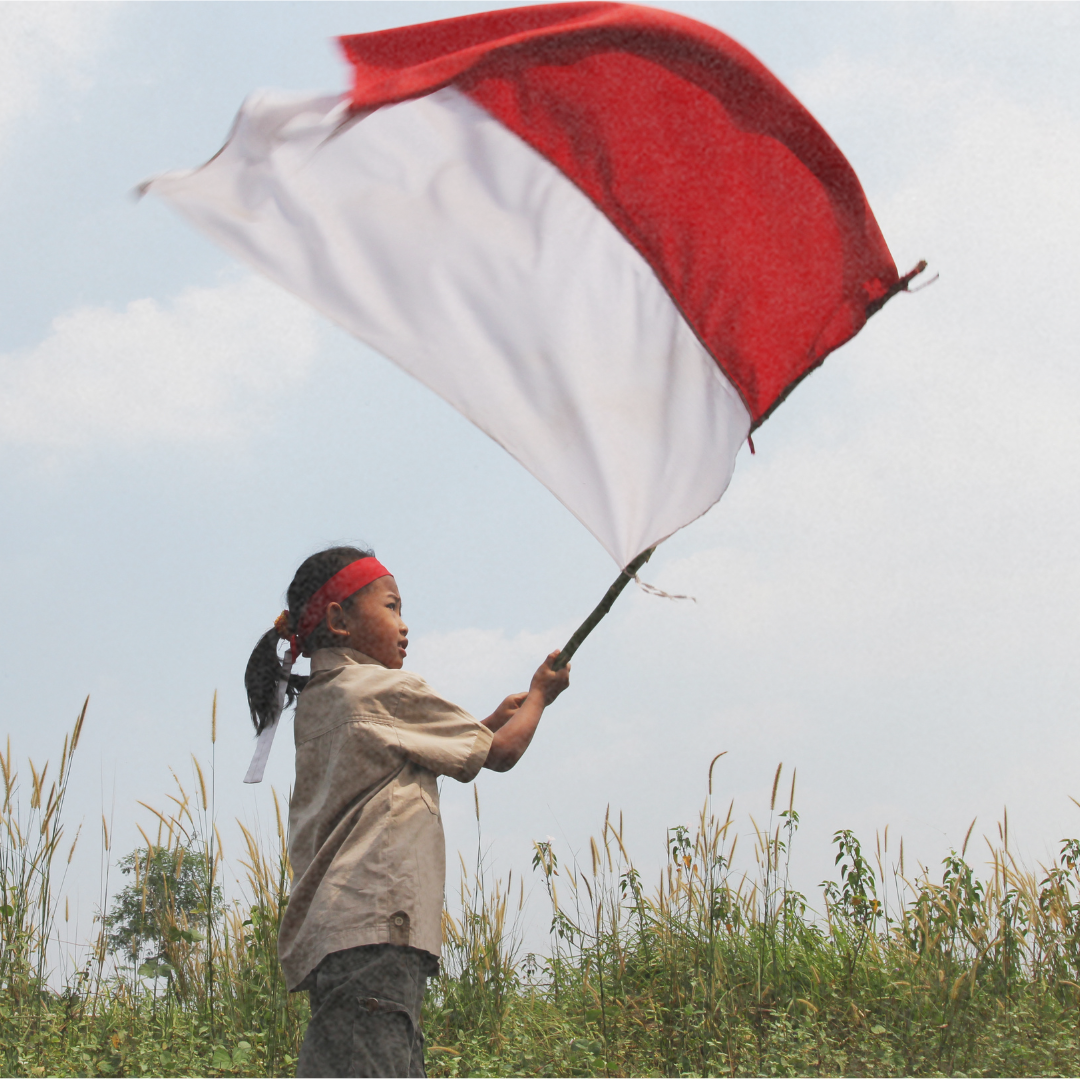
{"points": [[712, 970]]}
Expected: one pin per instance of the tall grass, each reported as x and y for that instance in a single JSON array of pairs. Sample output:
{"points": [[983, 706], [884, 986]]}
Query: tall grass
{"points": [[210, 1000], [717, 970], [718, 966], [28, 856]]}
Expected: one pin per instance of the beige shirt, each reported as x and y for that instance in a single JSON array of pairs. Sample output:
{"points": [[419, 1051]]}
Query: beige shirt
{"points": [[365, 835]]}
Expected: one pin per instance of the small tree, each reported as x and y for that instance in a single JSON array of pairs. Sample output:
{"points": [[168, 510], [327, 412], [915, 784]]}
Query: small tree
{"points": [[158, 908]]}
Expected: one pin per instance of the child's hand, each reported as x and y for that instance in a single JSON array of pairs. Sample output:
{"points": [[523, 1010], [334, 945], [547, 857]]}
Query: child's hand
{"points": [[506, 709], [509, 706], [548, 682]]}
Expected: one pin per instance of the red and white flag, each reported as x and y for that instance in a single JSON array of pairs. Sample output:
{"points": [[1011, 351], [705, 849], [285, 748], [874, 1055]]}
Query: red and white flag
{"points": [[606, 234]]}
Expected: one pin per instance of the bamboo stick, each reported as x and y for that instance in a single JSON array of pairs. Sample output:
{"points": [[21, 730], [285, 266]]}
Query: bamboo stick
{"points": [[601, 609]]}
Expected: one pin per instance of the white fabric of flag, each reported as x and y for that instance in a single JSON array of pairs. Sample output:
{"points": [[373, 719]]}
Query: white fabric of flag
{"points": [[441, 239]]}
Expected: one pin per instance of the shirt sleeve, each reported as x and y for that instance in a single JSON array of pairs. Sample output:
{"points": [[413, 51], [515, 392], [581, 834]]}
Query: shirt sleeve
{"points": [[438, 735]]}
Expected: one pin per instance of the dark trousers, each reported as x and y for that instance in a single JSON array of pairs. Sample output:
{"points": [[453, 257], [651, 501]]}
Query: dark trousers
{"points": [[365, 1013]]}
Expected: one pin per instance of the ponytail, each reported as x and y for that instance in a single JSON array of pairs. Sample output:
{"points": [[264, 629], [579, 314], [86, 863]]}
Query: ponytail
{"points": [[265, 671], [261, 678]]}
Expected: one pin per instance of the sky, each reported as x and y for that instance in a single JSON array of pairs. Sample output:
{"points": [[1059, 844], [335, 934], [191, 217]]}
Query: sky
{"points": [[887, 597]]}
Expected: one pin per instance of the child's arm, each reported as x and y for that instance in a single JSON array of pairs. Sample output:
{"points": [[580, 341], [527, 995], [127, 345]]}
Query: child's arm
{"points": [[515, 731]]}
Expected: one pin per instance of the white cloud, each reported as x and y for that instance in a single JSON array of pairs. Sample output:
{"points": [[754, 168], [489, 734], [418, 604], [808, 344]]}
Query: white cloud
{"points": [[45, 45], [210, 365]]}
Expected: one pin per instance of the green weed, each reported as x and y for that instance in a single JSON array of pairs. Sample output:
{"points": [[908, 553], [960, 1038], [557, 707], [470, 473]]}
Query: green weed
{"points": [[712, 970]]}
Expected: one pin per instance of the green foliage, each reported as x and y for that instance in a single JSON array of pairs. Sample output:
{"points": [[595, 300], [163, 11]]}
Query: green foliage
{"points": [[719, 972], [154, 911], [711, 970], [208, 1001]]}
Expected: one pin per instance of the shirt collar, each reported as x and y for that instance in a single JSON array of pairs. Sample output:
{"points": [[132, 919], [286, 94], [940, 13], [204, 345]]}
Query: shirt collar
{"points": [[328, 659]]}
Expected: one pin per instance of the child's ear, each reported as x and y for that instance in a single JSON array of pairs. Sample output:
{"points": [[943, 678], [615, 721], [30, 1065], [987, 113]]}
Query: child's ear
{"points": [[335, 620]]}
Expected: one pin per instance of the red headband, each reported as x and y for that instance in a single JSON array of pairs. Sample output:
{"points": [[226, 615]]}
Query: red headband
{"points": [[338, 589]]}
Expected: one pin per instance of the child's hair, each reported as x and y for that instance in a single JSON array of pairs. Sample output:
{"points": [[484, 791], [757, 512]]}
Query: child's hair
{"points": [[264, 670]]}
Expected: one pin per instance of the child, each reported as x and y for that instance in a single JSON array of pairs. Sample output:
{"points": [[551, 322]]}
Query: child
{"points": [[363, 928]]}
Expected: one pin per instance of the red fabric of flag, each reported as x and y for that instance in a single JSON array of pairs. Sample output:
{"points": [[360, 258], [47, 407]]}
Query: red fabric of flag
{"points": [[743, 206]]}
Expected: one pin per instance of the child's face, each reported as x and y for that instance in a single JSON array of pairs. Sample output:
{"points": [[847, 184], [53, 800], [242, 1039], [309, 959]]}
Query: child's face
{"points": [[372, 623]]}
